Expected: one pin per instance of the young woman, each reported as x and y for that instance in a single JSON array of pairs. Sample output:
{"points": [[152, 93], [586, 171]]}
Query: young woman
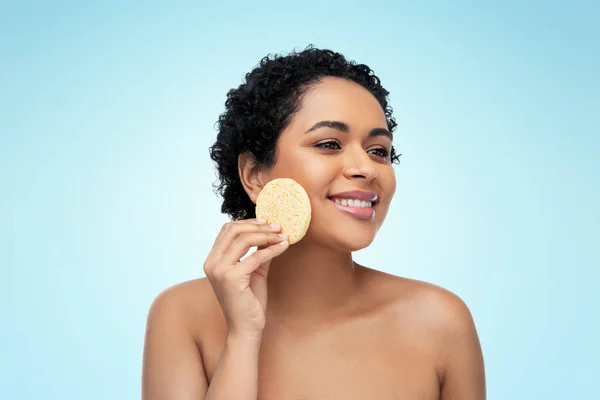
{"points": [[333, 329]]}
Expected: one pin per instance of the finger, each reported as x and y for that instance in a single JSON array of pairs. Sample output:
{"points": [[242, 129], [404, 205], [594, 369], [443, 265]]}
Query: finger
{"points": [[233, 230], [254, 220], [219, 246], [240, 246], [254, 261], [228, 225]]}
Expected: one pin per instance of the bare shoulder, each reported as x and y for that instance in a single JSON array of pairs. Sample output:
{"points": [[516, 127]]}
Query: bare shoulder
{"points": [[439, 320], [190, 303], [433, 306], [186, 292], [442, 307], [173, 362]]}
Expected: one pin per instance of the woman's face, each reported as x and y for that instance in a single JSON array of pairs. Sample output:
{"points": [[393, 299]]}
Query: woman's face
{"points": [[337, 146]]}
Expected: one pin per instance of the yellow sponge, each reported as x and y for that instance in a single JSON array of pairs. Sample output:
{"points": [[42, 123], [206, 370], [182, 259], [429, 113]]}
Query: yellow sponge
{"points": [[284, 201]]}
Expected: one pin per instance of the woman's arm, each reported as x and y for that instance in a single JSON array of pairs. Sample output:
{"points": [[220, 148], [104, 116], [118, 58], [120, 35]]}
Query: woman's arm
{"points": [[464, 372], [172, 364], [236, 376], [173, 367]]}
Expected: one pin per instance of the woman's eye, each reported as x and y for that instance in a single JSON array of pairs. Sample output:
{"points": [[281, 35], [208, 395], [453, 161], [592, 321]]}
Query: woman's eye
{"points": [[331, 145], [380, 151]]}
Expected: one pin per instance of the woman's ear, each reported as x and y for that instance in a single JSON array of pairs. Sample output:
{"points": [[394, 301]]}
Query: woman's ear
{"points": [[250, 175]]}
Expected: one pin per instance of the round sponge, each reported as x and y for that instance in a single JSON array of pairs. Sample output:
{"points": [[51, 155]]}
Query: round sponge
{"points": [[284, 201]]}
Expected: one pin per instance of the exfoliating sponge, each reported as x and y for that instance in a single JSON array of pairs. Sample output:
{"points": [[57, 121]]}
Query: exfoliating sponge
{"points": [[284, 201]]}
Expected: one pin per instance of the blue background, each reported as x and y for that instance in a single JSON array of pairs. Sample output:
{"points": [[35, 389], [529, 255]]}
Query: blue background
{"points": [[107, 112]]}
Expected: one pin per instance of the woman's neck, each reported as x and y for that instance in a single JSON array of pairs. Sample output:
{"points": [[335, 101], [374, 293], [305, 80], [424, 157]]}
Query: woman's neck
{"points": [[310, 283]]}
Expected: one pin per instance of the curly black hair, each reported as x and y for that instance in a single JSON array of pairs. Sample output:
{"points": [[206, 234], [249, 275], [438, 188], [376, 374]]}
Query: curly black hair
{"points": [[262, 106]]}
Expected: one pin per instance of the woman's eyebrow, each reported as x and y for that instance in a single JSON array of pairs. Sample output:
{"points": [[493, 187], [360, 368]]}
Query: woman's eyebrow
{"points": [[337, 125], [343, 127]]}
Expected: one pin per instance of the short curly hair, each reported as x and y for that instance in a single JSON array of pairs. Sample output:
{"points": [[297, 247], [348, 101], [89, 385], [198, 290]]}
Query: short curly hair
{"points": [[263, 105]]}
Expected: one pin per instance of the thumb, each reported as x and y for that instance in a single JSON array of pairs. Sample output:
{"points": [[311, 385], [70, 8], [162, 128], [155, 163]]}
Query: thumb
{"points": [[263, 269]]}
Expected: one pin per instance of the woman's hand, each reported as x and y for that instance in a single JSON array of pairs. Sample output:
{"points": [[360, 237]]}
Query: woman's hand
{"points": [[241, 286]]}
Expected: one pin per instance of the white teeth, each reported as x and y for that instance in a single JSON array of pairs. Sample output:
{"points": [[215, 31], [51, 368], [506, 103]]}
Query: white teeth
{"points": [[353, 203]]}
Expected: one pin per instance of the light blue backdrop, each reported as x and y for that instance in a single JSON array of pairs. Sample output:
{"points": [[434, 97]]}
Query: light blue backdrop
{"points": [[107, 113]]}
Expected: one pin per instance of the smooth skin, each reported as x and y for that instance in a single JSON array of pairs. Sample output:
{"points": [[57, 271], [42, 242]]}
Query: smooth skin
{"points": [[332, 329]]}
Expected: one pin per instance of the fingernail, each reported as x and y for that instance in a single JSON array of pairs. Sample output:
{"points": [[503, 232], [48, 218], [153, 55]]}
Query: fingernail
{"points": [[283, 235], [275, 226], [284, 243], [261, 220]]}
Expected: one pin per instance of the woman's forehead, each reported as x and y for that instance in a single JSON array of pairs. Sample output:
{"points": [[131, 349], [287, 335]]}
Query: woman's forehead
{"points": [[340, 100]]}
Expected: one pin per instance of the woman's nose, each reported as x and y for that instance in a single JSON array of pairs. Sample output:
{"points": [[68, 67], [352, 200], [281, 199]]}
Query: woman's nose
{"points": [[358, 165]]}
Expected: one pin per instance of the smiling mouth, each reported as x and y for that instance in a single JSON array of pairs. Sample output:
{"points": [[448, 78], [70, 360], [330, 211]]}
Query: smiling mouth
{"points": [[356, 203], [356, 208]]}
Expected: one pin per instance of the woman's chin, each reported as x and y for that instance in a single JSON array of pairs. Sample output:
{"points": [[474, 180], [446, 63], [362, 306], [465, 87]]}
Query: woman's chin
{"points": [[341, 240], [357, 243]]}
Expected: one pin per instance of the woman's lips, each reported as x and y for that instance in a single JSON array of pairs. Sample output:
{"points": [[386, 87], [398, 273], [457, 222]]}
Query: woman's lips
{"points": [[364, 213]]}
